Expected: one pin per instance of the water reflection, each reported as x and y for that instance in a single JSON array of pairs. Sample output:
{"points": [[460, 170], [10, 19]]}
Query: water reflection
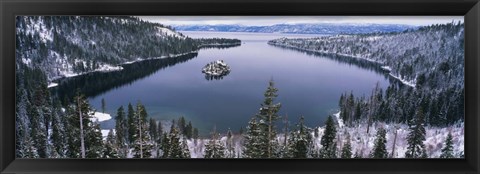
{"points": [[96, 83], [219, 46], [365, 64], [310, 85], [216, 77]]}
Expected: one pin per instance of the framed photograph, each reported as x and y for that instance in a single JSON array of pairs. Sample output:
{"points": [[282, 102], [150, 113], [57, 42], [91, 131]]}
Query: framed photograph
{"points": [[239, 86]]}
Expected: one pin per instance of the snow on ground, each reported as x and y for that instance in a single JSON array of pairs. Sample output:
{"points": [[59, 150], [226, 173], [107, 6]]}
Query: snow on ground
{"points": [[51, 85], [105, 133], [165, 31], [373, 38], [339, 121], [99, 116], [387, 68], [406, 82], [103, 68], [161, 57], [108, 68], [26, 61], [39, 27], [196, 147], [362, 142]]}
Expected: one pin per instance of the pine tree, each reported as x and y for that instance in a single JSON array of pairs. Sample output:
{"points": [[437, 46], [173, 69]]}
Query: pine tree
{"points": [[132, 127], [73, 131], [424, 153], [358, 111], [181, 125], [357, 155], [159, 132], [110, 150], [329, 148], [267, 120], [252, 146], [94, 146], [39, 111], [230, 150], [142, 142], [380, 149], [121, 133], [84, 136], [153, 129], [447, 151], [195, 135], [22, 125], [176, 147], [347, 148], [30, 149], [103, 105], [416, 136], [185, 150], [165, 145], [189, 130], [214, 148], [299, 141], [58, 132]]}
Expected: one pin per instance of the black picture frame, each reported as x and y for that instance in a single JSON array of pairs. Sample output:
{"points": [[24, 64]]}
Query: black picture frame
{"points": [[10, 8]]}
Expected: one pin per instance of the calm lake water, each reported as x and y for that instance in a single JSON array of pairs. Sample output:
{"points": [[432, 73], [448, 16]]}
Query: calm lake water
{"points": [[309, 85]]}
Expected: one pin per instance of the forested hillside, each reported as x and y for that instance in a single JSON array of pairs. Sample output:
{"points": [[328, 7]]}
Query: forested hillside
{"points": [[422, 119], [63, 46], [430, 59], [431, 55]]}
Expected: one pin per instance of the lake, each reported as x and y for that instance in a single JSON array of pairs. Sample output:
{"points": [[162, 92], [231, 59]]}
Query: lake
{"points": [[308, 84]]}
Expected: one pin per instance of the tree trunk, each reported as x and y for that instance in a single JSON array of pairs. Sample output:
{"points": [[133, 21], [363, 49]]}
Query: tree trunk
{"points": [[140, 133], [269, 134], [394, 142], [285, 131], [82, 137]]}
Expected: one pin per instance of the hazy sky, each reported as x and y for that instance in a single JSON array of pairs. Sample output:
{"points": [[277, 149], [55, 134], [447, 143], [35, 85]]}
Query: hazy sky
{"points": [[271, 20]]}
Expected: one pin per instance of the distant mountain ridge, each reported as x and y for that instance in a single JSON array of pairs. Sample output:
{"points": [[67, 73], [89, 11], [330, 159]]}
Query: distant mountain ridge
{"points": [[323, 28]]}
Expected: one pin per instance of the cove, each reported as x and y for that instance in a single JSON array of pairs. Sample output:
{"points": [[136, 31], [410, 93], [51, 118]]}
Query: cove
{"points": [[308, 84]]}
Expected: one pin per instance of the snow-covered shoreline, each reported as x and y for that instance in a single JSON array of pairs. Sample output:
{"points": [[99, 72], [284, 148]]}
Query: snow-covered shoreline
{"points": [[100, 116], [103, 68], [326, 52], [406, 82], [220, 44], [387, 68], [51, 85], [110, 68], [161, 57]]}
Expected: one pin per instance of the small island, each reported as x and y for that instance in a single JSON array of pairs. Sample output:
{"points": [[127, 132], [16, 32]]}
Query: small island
{"points": [[216, 68]]}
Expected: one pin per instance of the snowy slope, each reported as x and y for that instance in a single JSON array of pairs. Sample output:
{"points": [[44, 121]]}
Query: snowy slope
{"points": [[76, 45], [362, 142]]}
